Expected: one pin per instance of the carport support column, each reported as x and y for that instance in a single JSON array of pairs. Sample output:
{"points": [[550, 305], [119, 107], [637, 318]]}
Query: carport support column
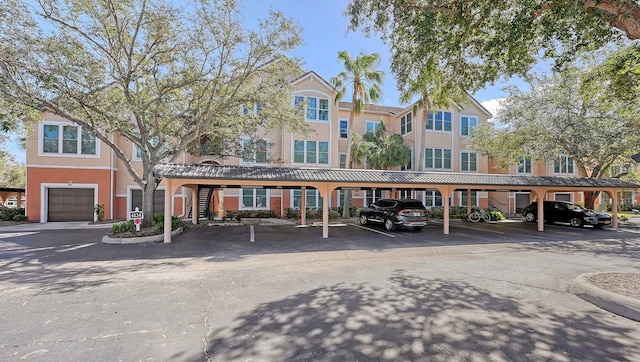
{"points": [[614, 209], [325, 192], [168, 194], [303, 206], [468, 201], [445, 192], [194, 205], [540, 195]]}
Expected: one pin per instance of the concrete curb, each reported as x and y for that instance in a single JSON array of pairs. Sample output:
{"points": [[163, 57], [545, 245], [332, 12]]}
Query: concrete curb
{"points": [[144, 239], [612, 302]]}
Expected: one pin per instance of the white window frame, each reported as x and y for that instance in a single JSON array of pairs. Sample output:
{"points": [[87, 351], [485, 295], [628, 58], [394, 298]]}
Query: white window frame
{"points": [[375, 125], [468, 153], [316, 111], [61, 125], [521, 166], [469, 126], [433, 128], [243, 161], [565, 162], [462, 197], [253, 206], [316, 196], [406, 127], [340, 155], [405, 194], [434, 158], [346, 134], [317, 151], [410, 165]]}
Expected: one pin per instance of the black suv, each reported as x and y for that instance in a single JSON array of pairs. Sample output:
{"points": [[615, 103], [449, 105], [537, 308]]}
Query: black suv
{"points": [[565, 212], [396, 212]]}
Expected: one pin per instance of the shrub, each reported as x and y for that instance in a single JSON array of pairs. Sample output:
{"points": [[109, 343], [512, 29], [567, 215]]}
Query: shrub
{"points": [[98, 209], [496, 215], [436, 212], [10, 214], [20, 218], [123, 228], [128, 228]]}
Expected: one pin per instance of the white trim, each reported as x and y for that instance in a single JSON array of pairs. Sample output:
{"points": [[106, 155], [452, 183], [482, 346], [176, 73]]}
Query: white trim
{"points": [[134, 153], [340, 134], [69, 166], [405, 124], [44, 196], [130, 188], [61, 124], [460, 115], [477, 160], [293, 150], [311, 74], [374, 122], [241, 160], [326, 96], [241, 197], [426, 122], [292, 196]]}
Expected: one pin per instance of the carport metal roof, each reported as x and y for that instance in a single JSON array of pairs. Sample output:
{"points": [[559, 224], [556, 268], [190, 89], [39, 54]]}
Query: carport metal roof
{"points": [[369, 178], [326, 180]]}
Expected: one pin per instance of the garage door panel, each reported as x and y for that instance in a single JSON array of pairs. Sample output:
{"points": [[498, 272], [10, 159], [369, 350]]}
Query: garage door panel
{"points": [[70, 204]]}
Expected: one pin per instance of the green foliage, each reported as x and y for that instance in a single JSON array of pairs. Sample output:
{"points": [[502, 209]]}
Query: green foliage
{"points": [[382, 151], [471, 43], [183, 73], [460, 212], [496, 215], [123, 228], [13, 215], [562, 115], [241, 214], [295, 213], [98, 209]]}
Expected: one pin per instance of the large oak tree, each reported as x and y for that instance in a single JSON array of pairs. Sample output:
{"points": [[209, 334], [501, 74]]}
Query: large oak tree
{"points": [[475, 42], [166, 76]]}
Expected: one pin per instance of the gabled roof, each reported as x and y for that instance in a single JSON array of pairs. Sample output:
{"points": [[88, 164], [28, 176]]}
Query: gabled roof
{"points": [[310, 74], [365, 178]]}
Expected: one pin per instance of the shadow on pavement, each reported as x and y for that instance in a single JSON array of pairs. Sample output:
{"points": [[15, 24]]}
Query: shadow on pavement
{"points": [[414, 318]]}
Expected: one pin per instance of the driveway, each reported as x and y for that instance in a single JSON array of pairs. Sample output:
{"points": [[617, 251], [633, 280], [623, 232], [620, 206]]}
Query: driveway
{"points": [[484, 292]]}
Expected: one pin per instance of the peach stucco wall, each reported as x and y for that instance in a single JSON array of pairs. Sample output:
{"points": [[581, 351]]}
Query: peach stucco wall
{"points": [[60, 178]]}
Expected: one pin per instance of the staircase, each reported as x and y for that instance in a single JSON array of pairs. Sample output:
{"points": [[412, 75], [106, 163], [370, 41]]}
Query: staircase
{"points": [[204, 199]]}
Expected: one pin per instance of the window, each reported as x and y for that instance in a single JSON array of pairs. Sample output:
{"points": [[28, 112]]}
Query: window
{"points": [[433, 198], [342, 160], [256, 150], [405, 124], [468, 161], [524, 164], [371, 126], [467, 124], [256, 108], [67, 139], [404, 194], [137, 151], [254, 199], [344, 129], [564, 164], [439, 121], [409, 165], [313, 201], [311, 152], [317, 108], [463, 198], [437, 158], [372, 196]]}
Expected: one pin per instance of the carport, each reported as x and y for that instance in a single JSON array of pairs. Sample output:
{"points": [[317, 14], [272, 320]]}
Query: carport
{"points": [[326, 180]]}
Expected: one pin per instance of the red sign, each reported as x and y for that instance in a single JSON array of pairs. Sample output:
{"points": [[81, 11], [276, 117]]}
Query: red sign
{"points": [[137, 221]]}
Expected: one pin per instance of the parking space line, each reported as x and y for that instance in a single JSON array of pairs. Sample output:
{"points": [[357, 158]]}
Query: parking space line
{"points": [[252, 234], [375, 231]]}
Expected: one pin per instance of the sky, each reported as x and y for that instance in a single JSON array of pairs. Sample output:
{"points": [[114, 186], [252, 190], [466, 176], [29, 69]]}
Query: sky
{"points": [[324, 35]]}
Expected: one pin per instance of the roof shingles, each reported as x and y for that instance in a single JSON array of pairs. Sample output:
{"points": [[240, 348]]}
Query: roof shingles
{"points": [[364, 177]]}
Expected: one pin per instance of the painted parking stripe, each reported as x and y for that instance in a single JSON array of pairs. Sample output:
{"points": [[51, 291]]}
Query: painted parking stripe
{"points": [[252, 237], [375, 231]]}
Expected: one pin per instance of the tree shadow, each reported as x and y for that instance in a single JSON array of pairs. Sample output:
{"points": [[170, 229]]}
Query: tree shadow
{"points": [[413, 318]]}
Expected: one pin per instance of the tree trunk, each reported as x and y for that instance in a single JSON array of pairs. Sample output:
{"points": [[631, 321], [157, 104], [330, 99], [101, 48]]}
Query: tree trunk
{"points": [[148, 202], [590, 198]]}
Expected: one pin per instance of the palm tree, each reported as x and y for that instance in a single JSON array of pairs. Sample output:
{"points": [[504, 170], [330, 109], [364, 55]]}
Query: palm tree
{"points": [[365, 81], [382, 151]]}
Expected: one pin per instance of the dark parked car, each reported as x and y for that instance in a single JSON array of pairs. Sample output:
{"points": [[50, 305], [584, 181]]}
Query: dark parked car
{"points": [[392, 213], [565, 212]]}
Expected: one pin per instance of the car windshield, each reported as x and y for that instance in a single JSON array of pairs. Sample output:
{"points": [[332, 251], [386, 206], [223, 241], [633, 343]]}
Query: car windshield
{"points": [[413, 204]]}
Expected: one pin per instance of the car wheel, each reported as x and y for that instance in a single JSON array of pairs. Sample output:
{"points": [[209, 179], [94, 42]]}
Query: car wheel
{"points": [[363, 219], [418, 228], [389, 225], [576, 222], [530, 217]]}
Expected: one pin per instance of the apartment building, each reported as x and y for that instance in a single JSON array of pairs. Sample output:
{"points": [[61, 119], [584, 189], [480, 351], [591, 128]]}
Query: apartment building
{"points": [[69, 171]]}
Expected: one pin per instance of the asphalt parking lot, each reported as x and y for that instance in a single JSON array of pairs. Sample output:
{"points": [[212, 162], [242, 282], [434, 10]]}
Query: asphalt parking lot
{"points": [[271, 292]]}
